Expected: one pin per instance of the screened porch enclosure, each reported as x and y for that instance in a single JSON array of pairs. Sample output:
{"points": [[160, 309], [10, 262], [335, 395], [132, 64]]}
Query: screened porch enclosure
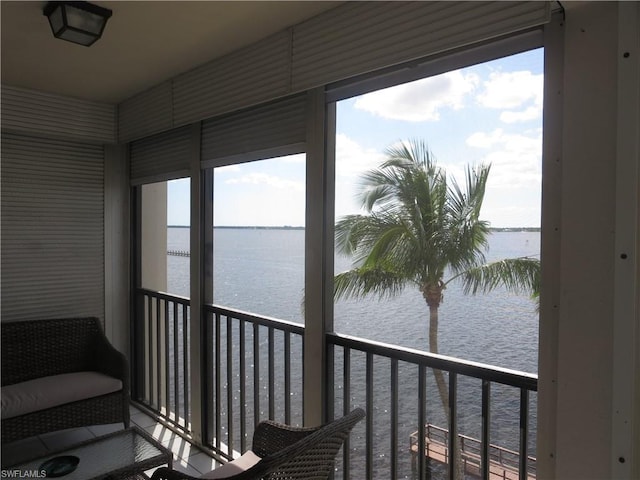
{"points": [[249, 366]]}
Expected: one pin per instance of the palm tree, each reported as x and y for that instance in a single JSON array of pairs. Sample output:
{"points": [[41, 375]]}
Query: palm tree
{"points": [[419, 227]]}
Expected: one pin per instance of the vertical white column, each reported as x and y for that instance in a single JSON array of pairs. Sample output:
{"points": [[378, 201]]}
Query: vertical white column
{"points": [[195, 321], [550, 247], [318, 254], [625, 460], [585, 340]]}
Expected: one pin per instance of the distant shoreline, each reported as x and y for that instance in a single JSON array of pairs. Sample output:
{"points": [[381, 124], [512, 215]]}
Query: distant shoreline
{"points": [[515, 229], [287, 227]]}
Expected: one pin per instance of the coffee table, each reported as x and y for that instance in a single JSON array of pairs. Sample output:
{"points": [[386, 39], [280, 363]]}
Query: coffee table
{"points": [[122, 454]]}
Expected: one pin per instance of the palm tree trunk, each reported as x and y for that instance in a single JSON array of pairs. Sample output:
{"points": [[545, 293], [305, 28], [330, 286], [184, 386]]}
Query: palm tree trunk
{"points": [[433, 348], [443, 389]]}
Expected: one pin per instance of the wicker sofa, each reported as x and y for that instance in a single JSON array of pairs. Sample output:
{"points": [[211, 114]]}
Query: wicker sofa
{"points": [[59, 374]]}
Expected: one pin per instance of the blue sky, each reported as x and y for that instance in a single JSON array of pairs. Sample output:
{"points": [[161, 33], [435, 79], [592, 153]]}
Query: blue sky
{"points": [[488, 113]]}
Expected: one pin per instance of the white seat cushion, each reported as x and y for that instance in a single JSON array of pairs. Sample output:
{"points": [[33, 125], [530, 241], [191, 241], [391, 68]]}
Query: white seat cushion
{"points": [[230, 469], [47, 392]]}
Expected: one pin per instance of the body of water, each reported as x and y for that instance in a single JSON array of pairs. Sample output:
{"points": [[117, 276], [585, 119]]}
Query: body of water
{"points": [[262, 271]]}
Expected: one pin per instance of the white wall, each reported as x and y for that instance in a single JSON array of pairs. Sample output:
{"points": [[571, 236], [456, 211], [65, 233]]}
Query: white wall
{"points": [[154, 236], [117, 247], [577, 354]]}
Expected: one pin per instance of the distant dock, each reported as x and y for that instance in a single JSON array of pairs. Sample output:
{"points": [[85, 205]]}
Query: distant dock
{"points": [[503, 463], [179, 253]]}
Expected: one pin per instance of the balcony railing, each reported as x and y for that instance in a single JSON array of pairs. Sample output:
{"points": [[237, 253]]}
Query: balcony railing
{"points": [[162, 374], [396, 388], [254, 371]]}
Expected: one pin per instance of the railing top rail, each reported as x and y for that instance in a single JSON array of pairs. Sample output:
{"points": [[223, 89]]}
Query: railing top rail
{"points": [[238, 314], [164, 295], [528, 381], [285, 325], [514, 378]]}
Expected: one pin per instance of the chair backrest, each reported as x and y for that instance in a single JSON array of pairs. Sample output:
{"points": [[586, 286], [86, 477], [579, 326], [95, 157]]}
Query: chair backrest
{"points": [[284, 453], [314, 456], [39, 348]]}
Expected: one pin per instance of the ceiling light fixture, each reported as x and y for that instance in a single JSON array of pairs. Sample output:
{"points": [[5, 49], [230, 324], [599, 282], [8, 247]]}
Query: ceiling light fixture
{"points": [[77, 22]]}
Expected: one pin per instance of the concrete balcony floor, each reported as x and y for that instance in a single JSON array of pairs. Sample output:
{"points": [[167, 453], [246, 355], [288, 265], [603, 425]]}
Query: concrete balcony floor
{"points": [[186, 457]]}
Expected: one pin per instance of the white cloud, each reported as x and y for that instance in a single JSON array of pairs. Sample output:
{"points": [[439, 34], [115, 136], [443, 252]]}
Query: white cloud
{"points": [[515, 158], [530, 113], [256, 178], [421, 100], [485, 140], [511, 89], [519, 94], [352, 159], [513, 189]]}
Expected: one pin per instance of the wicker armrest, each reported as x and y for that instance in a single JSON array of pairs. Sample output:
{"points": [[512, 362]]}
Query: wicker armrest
{"points": [[270, 437], [106, 359]]}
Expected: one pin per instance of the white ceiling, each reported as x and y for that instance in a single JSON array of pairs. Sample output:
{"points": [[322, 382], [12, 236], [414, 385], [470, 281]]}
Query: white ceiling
{"points": [[144, 43]]}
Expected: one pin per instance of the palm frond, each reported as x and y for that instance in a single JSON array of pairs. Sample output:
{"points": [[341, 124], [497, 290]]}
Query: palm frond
{"points": [[466, 204], [360, 282], [378, 188], [346, 237], [518, 275], [469, 234], [412, 153]]}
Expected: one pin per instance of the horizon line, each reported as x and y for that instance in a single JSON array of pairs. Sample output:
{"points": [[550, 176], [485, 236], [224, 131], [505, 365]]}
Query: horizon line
{"points": [[292, 227]]}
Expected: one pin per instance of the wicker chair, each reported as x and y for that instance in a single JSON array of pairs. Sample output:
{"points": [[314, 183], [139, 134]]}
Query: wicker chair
{"points": [[282, 452], [43, 348]]}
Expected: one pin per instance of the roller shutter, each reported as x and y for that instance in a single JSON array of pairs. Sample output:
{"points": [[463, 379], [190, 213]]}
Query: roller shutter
{"points": [[241, 79], [36, 113], [361, 37], [52, 228], [161, 157], [353, 39], [270, 130], [146, 114]]}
